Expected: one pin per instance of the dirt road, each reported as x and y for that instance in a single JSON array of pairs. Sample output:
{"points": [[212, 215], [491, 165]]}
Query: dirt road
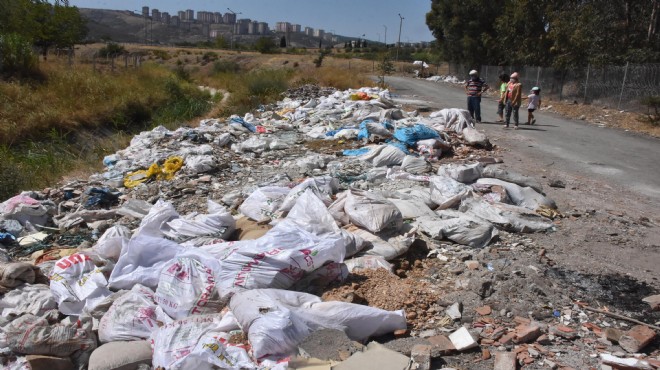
{"points": [[612, 193]]}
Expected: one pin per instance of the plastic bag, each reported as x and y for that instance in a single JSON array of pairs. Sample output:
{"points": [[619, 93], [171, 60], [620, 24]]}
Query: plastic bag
{"points": [[447, 192], [110, 243], [411, 208], [454, 119], [181, 343], [188, 285], [200, 163], [77, 283], [372, 212], [500, 173], [219, 223], [156, 172], [156, 220], [24, 209], [388, 156], [411, 135], [263, 202], [304, 241], [133, 316], [14, 274], [278, 320]]}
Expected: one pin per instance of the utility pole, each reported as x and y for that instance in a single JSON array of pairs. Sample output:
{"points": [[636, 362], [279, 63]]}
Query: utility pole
{"points": [[398, 45], [231, 42], [385, 42]]}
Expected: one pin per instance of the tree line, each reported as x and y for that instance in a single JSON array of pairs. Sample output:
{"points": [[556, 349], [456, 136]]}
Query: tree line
{"points": [[550, 33], [42, 24]]}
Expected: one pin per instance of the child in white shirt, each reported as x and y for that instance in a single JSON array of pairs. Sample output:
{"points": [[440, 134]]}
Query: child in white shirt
{"points": [[534, 103]]}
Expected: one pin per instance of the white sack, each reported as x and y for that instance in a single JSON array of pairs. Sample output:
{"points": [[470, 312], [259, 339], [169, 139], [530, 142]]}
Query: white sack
{"points": [[372, 212], [305, 240], [110, 243], [415, 165], [278, 320], [77, 283], [458, 227], [465, 173], [141, 261], [219, 223], [386, 246], [263, 202], [389, 156], [133, 316], [447, 192], [34, 299], [368, 263], [524, 197], [188, 343], [505, 216], [323, 187], [188, 285]]}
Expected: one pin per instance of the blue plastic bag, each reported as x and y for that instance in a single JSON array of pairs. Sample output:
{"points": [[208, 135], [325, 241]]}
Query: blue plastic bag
{"points": [[411, 135], [241, 121], [399, 145], [355, 152]]}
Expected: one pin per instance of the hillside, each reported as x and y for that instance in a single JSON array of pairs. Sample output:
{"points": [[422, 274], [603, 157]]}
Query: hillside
{"points": [[127, 26]]}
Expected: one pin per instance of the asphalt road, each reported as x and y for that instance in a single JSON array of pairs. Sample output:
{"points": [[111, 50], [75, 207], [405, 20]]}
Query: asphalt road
{"points": [[629, 160]]}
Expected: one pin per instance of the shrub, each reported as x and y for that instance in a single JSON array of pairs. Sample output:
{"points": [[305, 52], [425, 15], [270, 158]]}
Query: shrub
{"points": [[225, 66], [111, 50], [16, 56], [265, 45]]}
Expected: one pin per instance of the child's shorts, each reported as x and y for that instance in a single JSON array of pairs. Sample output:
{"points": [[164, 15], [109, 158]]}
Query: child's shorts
{"points": [[531, 110]]}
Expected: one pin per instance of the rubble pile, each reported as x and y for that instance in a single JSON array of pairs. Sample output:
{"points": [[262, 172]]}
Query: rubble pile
{"points": [[291, 237]]}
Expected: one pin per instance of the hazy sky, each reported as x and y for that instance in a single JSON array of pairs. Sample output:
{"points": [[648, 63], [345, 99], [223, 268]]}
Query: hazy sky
{"points": [[344, 17]]}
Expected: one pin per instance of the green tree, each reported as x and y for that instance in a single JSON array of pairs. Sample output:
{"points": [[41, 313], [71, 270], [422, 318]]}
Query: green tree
{"points": [[283, 42], [220, 43], [265, 45], [465, 29]]}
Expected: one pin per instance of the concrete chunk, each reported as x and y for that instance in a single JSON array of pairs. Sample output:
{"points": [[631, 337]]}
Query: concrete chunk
{"points": [[653, 301], [421, 357], [375, 357], [505, 361], [462, 339]]}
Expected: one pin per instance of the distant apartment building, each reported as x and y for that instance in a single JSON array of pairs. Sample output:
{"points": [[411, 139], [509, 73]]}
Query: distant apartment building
{"points": [[155, 15], [229, 18], [182, 15], [204, 17], [263, 28], [296, 28], [283, 27], [190, 15], [242, 26], [145, 11], [165, 17], [309, 31], [217, 17], [175, 21], [319, 32]]}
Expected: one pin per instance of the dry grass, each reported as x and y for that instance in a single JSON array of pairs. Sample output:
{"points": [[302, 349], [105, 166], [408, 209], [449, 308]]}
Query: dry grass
{"points": [[598, 115]]}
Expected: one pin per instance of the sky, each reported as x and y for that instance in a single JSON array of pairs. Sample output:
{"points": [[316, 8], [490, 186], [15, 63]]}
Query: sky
{"points": [[351, 18]]}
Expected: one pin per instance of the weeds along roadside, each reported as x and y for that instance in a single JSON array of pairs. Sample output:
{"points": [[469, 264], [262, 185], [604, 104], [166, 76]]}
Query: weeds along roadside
{"points": [[69, 120]]}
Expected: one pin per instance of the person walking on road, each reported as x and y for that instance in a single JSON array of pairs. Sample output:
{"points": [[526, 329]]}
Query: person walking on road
{"points": [[504, 80], [513, 100], [533, 103], [474, 87]]}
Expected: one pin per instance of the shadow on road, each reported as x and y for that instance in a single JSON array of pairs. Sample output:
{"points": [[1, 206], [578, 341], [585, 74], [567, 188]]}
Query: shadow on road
{"points": [[530, 128]]}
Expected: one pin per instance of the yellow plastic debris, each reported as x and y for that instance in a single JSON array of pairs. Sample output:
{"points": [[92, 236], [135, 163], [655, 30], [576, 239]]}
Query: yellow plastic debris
{"points": [[548, 212], [170, 167]]}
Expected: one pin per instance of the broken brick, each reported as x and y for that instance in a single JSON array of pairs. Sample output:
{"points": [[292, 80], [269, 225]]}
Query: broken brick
{"points": [[507, 338], [441, 344], [636, 338], [421, 356], [522, 320], [484, 310], [485, 354], [526, 333], [555, 330], [613, 334]]}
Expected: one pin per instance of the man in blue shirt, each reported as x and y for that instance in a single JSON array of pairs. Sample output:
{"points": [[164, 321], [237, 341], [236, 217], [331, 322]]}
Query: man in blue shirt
{"points": [[474, 87]]}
